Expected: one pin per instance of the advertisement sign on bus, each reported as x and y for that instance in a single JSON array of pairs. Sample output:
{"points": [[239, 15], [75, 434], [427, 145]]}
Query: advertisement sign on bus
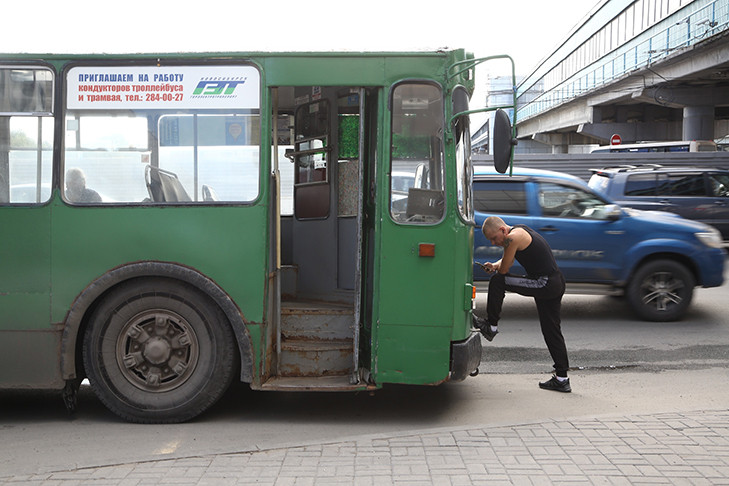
{"points": [[164, 87]]}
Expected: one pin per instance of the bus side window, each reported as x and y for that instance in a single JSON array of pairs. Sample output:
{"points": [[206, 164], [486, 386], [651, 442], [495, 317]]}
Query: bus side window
{"points": [[210, 157], [109, 150]]}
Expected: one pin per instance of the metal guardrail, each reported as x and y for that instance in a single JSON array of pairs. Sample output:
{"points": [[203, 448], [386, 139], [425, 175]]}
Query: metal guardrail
{"points": [[683, 30], [579, 165]]}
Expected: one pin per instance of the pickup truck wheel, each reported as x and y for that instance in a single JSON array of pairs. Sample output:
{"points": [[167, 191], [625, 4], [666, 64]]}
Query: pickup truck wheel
{"points": [[158, 351], [661, 290]]}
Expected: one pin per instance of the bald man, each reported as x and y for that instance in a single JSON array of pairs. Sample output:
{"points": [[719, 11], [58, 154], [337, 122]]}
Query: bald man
{"points": [[544, 281]]}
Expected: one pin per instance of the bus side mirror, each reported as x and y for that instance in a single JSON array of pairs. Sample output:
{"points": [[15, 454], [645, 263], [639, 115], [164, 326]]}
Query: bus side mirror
{"points": [[503, 142]]}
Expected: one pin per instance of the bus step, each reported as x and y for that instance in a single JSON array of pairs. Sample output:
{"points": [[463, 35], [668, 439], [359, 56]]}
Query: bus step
{"points": [[302, 357], [316, 320], [312, 383]]}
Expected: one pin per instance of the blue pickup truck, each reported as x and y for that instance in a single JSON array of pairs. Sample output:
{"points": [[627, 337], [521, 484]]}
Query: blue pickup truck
{"points": [[655, 259]]}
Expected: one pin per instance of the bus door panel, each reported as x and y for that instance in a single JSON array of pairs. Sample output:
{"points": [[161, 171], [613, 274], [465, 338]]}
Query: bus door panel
{"points": [[415, 306], [417, 245], [27, 343], [326, 191], [370, 136], [314, 228]]}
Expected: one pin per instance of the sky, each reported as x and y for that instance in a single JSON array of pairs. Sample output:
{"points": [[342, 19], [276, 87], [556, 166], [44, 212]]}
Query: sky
{"points": [[527, 30]]}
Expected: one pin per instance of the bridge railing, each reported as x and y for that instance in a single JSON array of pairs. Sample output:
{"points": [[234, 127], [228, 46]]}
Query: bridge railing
{"points": [[695, 23]]}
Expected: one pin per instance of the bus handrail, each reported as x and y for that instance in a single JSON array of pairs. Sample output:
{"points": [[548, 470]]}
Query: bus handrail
{"points": [[471, 64], [475, 62]]}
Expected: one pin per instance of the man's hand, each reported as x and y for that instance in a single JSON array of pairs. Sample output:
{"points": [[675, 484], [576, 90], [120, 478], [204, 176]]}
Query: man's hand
{"points": [[488, 267]]}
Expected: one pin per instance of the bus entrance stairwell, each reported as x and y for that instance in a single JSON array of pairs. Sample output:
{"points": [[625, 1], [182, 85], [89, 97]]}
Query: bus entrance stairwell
{"points": [[316, 336]]}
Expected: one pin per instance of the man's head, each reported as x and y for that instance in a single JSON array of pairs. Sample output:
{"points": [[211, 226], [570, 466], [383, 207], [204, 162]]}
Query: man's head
{"points": [[75, 180], [495, 230]]}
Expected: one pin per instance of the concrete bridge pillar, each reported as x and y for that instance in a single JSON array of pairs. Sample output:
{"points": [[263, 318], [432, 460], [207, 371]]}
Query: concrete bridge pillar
{"points": [[698, 123]]}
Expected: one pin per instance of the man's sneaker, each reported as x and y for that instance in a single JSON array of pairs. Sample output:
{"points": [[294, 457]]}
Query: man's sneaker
{"points": [[488, 333], [556, 385], [484, 328]]}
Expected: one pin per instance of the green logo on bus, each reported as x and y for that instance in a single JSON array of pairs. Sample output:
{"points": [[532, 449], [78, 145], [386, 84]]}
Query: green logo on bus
{"points": [[217, 87]]}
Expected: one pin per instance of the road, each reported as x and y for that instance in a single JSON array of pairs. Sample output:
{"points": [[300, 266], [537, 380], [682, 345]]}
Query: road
{"points": [[621, 365]]}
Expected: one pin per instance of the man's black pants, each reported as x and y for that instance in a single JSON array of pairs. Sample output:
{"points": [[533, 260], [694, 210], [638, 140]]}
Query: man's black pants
{"points": [[547, 293]]}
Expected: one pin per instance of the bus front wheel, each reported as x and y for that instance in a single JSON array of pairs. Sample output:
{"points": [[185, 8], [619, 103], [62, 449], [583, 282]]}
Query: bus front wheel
{"points": [[158, 351]]}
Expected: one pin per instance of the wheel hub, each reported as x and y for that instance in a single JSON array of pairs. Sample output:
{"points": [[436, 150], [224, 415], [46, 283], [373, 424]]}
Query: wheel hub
{"points": [[157, 350], [662, 290]]}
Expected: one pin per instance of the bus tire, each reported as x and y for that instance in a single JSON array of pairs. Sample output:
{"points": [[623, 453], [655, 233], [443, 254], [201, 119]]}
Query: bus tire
{"points": [[158, 351], [661, 290]]}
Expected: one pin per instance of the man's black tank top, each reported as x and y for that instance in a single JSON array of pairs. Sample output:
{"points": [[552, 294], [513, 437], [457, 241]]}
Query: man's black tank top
{"points": [[537, 258]]}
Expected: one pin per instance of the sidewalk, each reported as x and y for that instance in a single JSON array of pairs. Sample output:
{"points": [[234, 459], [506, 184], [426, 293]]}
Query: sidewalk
{"points": [[670, 448]]}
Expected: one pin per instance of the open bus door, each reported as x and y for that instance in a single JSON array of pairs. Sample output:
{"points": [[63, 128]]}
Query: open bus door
{"points": [[317, 309], [424, 283]]}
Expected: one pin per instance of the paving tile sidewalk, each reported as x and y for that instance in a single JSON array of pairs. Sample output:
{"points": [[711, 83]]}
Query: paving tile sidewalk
{"points": [[670, 448]]}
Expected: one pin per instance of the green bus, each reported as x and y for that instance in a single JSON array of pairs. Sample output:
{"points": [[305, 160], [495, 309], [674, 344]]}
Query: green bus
{"points": [[174, 222]]}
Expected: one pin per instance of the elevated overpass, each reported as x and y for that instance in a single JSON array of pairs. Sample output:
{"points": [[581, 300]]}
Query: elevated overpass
{"points": [[642, 69]]}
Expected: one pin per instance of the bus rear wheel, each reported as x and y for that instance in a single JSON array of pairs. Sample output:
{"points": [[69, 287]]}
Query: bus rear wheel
{"points": [[158, 351]]}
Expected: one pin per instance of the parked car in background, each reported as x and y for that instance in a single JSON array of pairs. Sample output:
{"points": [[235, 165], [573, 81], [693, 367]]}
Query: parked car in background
{"points": [[655, 259], [699, 193]]}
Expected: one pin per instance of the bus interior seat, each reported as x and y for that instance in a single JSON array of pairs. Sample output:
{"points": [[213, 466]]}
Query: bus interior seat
{"points": [[209, 193], [154, 186], [425, 202], [164, 186]]}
